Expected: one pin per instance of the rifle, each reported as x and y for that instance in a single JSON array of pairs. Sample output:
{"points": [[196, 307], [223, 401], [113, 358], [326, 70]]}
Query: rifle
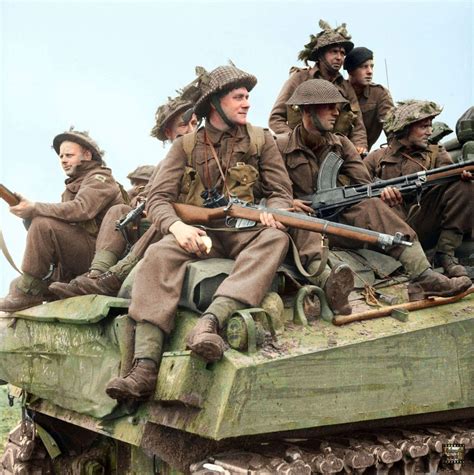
{"points": [[8, 196], [131, 216], [330, 201], [238, 209]]}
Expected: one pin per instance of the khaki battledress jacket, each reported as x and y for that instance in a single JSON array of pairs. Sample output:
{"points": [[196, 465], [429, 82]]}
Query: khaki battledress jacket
{"points": [[63, 234], [280, 121], [303, 163], [442, 206], [374, 101], [257, 252]]}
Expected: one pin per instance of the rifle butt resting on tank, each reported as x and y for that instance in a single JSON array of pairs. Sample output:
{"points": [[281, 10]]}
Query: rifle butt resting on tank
{"points": [[240, 210], [328, 201]]}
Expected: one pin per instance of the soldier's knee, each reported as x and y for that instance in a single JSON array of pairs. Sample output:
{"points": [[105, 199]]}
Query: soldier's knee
{"points": [[117, 211], [42, 224]]}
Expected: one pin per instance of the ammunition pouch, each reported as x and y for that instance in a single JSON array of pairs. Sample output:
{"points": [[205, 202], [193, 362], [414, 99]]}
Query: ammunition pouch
{"points": [[241, 179], [191, 187]]}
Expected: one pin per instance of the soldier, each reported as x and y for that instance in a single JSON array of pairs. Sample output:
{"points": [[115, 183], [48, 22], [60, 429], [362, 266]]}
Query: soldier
{"points": [[138, 179], [328, 50], [226, 156], [110, 267], [443, 213], [304, 149], [63, 234], [374, 100]]}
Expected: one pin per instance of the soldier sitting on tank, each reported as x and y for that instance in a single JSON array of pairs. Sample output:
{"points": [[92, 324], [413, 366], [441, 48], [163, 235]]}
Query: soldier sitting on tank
{"points": [[327, 49], [110, 267], [374, 100], [62, 236], [307, 145], [443, 213], [139, 179], [210, 164]]}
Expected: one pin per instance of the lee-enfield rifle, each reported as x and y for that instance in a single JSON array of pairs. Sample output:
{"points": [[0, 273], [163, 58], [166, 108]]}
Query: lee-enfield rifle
{"points": [[238, 209], [8, 196], [330, 199]]}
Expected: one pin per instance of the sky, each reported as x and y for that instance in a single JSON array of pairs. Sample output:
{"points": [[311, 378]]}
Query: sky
{"points": [[106, 66]]}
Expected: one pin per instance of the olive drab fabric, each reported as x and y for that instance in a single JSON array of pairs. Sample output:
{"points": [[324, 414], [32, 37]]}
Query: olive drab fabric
{"points": [[81, 138], [442, 206], [409, 112], [284, 119], [375, 103], [303, 163], [156, 291]]}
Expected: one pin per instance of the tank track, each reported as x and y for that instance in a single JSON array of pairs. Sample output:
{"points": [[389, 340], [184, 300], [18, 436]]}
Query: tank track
{"points": [[413, 451]]}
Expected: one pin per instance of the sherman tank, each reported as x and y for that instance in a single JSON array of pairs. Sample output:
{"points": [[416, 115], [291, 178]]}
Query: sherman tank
{"points": [[298, 391]]}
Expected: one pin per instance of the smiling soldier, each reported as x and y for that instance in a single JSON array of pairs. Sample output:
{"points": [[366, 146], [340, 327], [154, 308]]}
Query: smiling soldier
{"points": [[62, 236]]}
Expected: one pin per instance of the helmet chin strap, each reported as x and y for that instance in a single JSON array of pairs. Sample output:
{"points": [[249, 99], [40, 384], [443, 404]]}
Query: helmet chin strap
{"points": [[317, 123], [217, 105]]}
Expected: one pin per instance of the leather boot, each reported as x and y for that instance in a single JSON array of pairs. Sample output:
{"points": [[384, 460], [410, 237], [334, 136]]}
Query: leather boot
{"points": [[431, 283], [138, 384], [25, 292], [204, 340], [448, 242], [450, 264], [105, 284], [338, 286]]}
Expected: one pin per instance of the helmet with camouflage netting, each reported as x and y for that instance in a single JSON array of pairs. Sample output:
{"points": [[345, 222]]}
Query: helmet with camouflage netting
{"points": [[409, 112], [316, 91], [81, 138], [142, 172], [327, 38], [220, 80], [168, 111]]}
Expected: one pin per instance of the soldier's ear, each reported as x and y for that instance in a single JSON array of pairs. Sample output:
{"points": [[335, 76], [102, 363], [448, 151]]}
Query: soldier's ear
{"points": [[87, 154]]}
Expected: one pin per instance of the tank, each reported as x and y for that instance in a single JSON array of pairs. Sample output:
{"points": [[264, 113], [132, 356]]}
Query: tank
{"points": [[298, 390]]}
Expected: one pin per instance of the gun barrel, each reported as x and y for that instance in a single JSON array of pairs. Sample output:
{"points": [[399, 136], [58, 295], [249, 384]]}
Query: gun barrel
{"points": [[131, 216]]}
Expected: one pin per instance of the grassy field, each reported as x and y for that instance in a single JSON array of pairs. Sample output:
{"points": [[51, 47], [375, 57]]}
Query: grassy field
{"points": [[9, 416]]}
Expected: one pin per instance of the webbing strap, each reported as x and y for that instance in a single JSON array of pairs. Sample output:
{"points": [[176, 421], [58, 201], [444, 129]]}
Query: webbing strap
{"points": [[322, 264], [8, 257]]}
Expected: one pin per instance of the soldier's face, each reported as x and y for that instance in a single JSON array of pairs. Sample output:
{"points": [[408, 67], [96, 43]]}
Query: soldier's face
{"points": [[326, 113], [419, 133], [179, 127], [334, 57], [71, 155], [363, 74], [236, 105]]}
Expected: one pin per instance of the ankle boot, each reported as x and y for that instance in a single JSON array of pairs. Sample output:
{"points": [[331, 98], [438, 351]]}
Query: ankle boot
{"points": [[25, 292], [105, 284], [448, 242], [431, 283], [204, 340], [138, 384]]}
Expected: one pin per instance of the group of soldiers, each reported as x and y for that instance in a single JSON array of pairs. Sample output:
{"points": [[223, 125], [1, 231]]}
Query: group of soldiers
{"points": [[73, 248]]}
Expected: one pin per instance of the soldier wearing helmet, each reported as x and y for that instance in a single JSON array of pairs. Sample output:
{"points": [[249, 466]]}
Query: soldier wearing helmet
{"points": [[374, 100], [227, 156], [443, 214], [327, 49], [303, 151], [62, 235], [109, 268]]}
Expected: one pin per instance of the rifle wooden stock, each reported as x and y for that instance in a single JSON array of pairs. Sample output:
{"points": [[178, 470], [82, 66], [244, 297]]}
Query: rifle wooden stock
{"points": [[410, 306], [8, 196], [196, 215]]}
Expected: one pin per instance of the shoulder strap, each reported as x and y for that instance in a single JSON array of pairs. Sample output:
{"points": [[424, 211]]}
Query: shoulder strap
{"points": [[432, 156], [257, 139], [189, 142]]}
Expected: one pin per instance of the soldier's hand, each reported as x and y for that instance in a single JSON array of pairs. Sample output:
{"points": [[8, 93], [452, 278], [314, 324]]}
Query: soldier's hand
{"points": [[391, 196], [466, 175], [189, 238], [301, 206], [24, 209], [362, 151], [268, 220]]}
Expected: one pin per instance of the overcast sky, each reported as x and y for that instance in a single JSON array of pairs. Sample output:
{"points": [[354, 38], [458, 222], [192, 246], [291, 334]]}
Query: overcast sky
{"points": [[106, 66]]}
